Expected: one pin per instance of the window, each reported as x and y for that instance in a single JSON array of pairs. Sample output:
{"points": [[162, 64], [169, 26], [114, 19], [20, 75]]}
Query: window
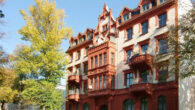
{"points": [[105, 58], [119, 21], [91, 62], [100, 82], [86, 69], [105, 82], [129, 33], [162, 44], [105, 27], [145, 7], [144, 104], [78, 71], [112, 58], [100, 60], [128, 105], [162, 73], [112, 82], [70, 106], [77, 106], [162, 19], [125, 17], [144, 49], [92, 84], [79, 54], [162, 1], [77, 89], [86, 50], [144, 27], [71, 56], [144, 75], [128, 55], [161, 103], [96, 62], [80, 40], [85, 88], [89, 36], [96, 84], [86, 106], [129, 78], [153, 3]]}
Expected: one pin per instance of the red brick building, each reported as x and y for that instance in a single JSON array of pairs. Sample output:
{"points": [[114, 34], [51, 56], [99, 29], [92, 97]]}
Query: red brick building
{"points": [[115, 66]]}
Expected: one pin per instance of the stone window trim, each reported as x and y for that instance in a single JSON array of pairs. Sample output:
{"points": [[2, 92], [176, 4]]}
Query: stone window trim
{"points": [[130, 47], [125, 74], [144, 42], [160, 37], [159, 65]]}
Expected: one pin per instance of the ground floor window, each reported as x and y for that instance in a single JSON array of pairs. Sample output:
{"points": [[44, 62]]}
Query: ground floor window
{"points": [[128, 104], [86, 106], [144, 104], [144, 75], [77, 107], [161, 103], [70, 106]]}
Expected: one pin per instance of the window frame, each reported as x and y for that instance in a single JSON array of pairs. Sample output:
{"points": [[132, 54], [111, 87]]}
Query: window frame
{"points": [[129, 36], [144, 25], [125, 17], [128, 79], [144, 103], [162, 19], [105, 58], [162, 50], [146, 6]]}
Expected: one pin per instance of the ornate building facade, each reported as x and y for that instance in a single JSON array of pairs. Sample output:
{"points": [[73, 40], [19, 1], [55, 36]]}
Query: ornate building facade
{"points": [[116, 66]]}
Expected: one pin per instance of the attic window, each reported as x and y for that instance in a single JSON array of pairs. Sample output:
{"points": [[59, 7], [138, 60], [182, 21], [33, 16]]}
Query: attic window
{"points": [[162, 1], [105, 27], [125, 17], [145, 7]]}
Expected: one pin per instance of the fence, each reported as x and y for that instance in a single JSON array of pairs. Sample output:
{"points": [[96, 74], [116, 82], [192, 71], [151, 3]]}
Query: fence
{"points": [[11, 106]]}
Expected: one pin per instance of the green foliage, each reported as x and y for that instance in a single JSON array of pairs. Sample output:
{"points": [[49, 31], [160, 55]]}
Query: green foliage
{"points": [[183, 48], [42, 93], [7, 78], [45, 31], [41, 64]]}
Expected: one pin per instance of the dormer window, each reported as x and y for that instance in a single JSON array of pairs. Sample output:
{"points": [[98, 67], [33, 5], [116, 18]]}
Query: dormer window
{"points": [[125, 17], [89, 36], [145, 7], [162, 1], [80, 40], [119, 21]]}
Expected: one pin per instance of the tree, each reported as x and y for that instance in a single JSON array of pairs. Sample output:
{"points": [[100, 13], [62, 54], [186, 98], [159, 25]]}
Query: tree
{"points": [[7, 78], [43, 61], [182, 43]]}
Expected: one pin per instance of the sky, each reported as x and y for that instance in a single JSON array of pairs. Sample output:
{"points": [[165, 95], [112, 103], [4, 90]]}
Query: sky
{"points": [[80, 14]]}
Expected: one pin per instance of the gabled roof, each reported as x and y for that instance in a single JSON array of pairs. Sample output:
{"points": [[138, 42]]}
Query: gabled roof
{"points": [[124, 10], [79, 35], [142, 2], [88, 30]]}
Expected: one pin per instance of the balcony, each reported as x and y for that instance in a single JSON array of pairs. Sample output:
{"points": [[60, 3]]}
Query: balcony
{"points": [[98, 93], [141, 87], [74, 78], [73, 97], [102, 69], [143, 61]]}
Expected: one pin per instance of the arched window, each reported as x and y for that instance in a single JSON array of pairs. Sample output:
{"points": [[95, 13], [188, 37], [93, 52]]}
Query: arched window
{"points": [[161, 103], [128, 104], [144, 104], [86, 106]]}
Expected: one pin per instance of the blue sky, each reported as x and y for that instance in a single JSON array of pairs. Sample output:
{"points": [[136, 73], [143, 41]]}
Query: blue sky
{"points": [[81, 14]]}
